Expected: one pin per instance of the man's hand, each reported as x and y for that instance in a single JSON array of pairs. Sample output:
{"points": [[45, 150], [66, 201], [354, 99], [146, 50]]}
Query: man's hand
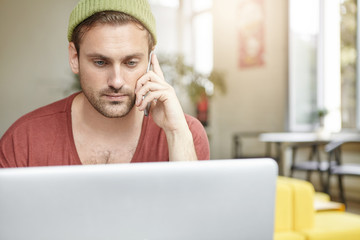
{"points": [[166, 111], [165, 107]]}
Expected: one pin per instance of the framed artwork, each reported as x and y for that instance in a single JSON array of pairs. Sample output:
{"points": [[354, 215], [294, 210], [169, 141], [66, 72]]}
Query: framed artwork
{"points": [[251, 27]]}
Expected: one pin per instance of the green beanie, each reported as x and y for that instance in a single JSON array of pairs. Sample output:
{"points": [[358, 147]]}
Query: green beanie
{"points": [[139, 9]]}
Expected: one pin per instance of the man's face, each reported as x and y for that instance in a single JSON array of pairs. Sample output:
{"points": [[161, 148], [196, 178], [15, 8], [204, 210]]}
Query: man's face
{"points": [[112, 59]]}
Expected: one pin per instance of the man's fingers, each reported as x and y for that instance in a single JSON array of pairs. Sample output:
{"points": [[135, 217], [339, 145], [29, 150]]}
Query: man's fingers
{"points": [[146, 89], [151, 86], [151, 97], [156, 66], [148, 77], [156, 75]]}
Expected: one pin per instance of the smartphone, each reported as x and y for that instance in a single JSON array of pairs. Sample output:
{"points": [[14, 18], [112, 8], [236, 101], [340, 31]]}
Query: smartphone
{"points": [[147, 109]]}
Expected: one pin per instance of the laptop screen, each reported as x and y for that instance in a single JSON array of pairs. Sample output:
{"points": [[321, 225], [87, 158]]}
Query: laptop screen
{"points": [[216, 199]]}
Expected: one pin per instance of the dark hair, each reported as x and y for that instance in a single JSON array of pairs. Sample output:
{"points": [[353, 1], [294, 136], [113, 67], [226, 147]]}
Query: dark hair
{"points": [[106, 17]]}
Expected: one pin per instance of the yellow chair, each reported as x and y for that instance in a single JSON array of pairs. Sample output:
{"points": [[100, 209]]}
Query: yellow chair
{"points": [[296, 218], [284, 223]]}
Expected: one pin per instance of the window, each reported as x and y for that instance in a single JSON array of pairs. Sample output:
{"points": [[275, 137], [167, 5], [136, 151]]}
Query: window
{"points": [[165, 3], [303, 45], [323, 65], [201, 23], [185, 27], [166, 16], [348, 62]]}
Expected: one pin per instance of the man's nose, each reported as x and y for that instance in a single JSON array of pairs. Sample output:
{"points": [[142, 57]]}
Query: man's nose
{"points": [[116, 79]]}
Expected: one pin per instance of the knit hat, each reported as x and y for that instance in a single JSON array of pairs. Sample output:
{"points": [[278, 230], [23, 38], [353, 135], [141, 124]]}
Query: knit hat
{"points": [[139, 9]]}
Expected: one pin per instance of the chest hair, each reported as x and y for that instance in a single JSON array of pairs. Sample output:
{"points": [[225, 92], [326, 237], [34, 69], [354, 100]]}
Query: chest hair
{"points": [[96, 153]]}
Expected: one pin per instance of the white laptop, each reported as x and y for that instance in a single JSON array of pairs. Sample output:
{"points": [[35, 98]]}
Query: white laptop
{"points": [[204, 200]]}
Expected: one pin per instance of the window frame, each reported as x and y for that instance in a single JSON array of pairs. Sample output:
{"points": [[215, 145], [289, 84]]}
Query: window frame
{"points": [[328, 94]]}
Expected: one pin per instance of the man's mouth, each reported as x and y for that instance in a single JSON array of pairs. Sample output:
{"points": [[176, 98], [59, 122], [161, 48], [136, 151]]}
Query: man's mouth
{"points": [[115, 96]]}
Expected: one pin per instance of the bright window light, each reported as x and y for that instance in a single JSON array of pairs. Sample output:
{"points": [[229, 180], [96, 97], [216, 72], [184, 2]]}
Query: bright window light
{"points": [[165, 3], [200, 5]]}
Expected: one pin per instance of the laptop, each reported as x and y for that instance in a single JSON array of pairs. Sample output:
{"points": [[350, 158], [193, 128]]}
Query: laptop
{"points": [[203, 200]]}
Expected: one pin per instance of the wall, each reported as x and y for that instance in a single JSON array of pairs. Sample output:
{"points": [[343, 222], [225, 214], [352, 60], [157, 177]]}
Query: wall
{"points": [[256, 99], [34, 68]]}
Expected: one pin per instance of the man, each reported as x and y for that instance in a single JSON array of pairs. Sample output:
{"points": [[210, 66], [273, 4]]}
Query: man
{"points": [[109, 47]]}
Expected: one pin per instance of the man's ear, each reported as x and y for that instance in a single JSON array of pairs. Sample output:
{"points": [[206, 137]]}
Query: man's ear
{"points": [[73, 58]]}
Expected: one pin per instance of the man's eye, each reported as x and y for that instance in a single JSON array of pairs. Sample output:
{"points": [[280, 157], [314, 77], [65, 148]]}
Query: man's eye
{"points": [[131, 63], [99, 63]]}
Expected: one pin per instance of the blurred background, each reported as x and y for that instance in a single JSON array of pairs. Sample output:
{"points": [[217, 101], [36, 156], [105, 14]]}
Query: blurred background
{"points": [[240, 66], [277, 64]]}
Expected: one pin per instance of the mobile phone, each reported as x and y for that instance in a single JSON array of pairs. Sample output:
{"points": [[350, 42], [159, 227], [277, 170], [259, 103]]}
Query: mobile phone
{"points": [[147, 109]]}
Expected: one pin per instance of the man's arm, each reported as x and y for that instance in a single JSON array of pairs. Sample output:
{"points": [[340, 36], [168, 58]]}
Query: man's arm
{"points": [[166, 112], [181, 145]]}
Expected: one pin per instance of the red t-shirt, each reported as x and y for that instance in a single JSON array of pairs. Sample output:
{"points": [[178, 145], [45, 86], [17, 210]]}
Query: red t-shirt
{"points": [[44, 137]]}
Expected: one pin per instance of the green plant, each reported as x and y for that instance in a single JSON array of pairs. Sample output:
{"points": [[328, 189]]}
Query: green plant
{"points": [[321, 113], [184, 76]]}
